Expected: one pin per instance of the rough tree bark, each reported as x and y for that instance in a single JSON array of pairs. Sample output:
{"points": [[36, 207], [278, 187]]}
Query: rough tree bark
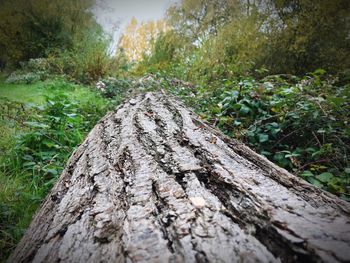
{"points": [[153, 183]]}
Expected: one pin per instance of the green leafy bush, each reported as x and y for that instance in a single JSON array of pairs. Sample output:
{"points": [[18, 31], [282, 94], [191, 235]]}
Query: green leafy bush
{"points": [[24, 78], [37, 156], [112, 87], [301, 124], [52, 135], [32, 29], [31, 71]]}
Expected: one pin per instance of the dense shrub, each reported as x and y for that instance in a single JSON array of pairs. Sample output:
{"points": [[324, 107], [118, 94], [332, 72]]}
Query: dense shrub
{"points": [[301, 124], [112, 87], [60, 125], [40, 38], [25, 78], [88, 59], [30, 71], [38, 28]]}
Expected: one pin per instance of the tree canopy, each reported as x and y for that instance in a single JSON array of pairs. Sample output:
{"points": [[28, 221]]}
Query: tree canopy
{"points": [[36, 28], [294, 36]]}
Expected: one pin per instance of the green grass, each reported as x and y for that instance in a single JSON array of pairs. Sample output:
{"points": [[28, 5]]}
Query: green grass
{"points": [[22, 190], [36, 92], [28, 93], [18, 203]]}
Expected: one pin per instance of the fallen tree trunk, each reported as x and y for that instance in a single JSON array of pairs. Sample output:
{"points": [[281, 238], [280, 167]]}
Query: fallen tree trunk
{"points": [[152, 183]]}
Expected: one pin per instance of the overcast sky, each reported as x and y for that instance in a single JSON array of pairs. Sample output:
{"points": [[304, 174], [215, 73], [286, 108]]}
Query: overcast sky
{"points": [[114, 15]]}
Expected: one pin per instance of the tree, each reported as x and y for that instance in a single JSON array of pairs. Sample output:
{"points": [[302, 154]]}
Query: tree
{"points": [[309, 35], [284, 36], [153, 183], [36, 28], [138, 38], [198, 19]]}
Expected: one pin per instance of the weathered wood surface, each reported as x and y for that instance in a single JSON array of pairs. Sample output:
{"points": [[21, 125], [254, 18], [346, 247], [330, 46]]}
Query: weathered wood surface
{"points": [[152, 183]]}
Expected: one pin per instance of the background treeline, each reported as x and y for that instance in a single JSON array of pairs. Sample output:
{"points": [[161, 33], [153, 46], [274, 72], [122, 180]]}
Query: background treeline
{"points": [[231, 37], [63, 34]]}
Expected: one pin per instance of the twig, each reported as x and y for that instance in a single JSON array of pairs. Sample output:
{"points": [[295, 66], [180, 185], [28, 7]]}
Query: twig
{"points": [[318, 141], [286, 136], [319, 105], [318, 161]]}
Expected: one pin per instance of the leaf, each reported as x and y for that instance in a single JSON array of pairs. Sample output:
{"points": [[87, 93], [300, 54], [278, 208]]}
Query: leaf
{"points": [[48, 143], [237, 122], [324, 177], [292, 155], [36, 124], [314, 181], [26, 164], [71, 115], [306, 174], [51, 171], [244, 109], [319, 71], [234, 107], [265, 153], [263, 137], [334, 188], [28, 157], [224, 119], [345, 197], [321, 131]]}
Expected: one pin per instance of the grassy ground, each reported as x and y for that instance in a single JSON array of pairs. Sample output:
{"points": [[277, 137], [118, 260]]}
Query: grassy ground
{"points": [[35, 93], [20, 192], [23, 92]]}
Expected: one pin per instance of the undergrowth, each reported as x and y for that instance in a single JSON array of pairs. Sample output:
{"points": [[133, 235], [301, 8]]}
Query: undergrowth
{"points": [[36, 142], [299, 123]]}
